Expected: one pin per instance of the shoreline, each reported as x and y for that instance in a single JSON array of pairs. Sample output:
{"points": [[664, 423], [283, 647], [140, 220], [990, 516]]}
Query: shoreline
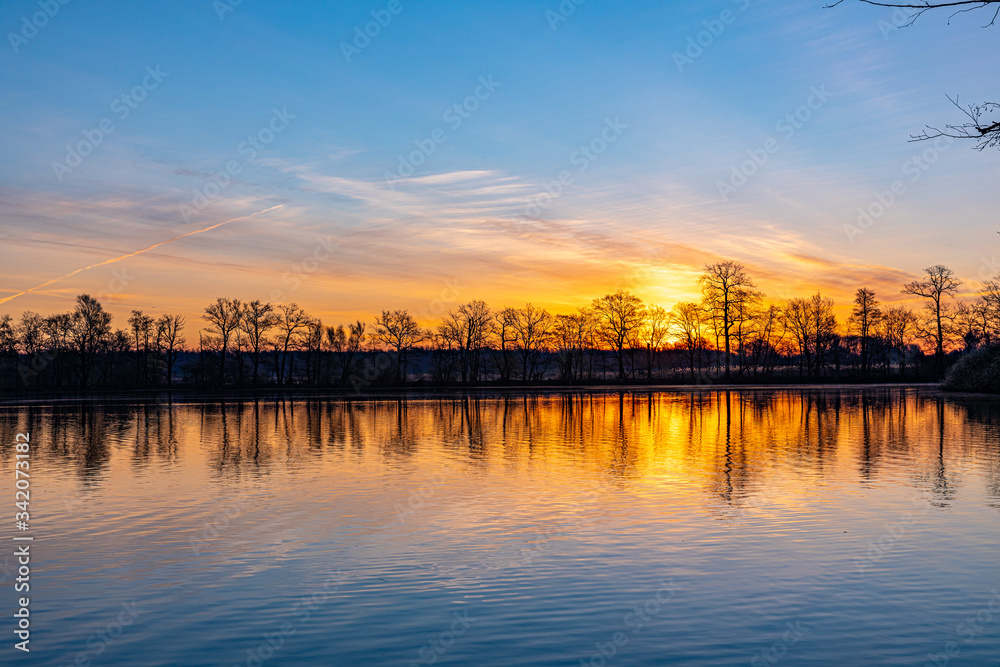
{"points": [[183, 395]]}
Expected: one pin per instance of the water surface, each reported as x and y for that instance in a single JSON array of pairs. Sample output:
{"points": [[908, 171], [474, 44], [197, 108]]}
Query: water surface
{"points": [[713, 527]]}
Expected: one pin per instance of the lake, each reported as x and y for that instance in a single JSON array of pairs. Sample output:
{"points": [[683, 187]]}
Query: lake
{"points": [[806, 526]]}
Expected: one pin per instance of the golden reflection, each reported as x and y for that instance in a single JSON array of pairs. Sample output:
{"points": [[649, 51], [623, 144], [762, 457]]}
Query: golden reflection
{"points": [[729, 444]]}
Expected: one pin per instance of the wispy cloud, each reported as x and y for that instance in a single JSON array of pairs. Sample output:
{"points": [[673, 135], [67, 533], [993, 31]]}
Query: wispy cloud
{"points": [[141, 251]]}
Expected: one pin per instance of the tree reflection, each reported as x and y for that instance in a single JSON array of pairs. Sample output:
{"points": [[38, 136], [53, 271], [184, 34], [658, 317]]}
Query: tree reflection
{"points": [[737, 443]]}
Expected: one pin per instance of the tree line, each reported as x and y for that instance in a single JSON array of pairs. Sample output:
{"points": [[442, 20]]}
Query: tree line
{"points": [[732, 333]]}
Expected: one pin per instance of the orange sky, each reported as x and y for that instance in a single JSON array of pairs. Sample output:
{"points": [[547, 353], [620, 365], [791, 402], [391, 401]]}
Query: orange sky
{"points": [[557, 266]]}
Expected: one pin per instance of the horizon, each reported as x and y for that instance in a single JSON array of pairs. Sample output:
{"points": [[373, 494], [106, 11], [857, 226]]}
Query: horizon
{"points": [[435, 311]]}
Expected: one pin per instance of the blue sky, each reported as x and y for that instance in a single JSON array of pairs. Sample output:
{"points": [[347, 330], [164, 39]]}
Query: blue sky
{"points": [[645, 213]]}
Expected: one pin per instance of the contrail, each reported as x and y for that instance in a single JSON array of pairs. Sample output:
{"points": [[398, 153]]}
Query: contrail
{"points": [[133, 254]]}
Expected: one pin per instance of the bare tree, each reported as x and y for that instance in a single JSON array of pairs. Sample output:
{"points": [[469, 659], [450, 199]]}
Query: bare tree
{"points": [[531, 327], [725, 286], [654, 332], [864, 316], [990, 296], [897, 327], [766, 336], [502, 335], [292, 322], [91, 331], [29, 334], [116, 345], [468, 329], [981, 124], [574, 334], [813, 327], [142, 329], [978, 126], [940, 283], [223, 317], [398, 330], [57, 332], [748, 306], [970, 323], [346, 344], [8, 345], [312, 341], [258, 318], [564, 338], [690, 320], [619, 317], [169, 341]]}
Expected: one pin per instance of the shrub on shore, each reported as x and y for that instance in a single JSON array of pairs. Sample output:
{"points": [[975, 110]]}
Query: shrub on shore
{"points": [[977, 371]]}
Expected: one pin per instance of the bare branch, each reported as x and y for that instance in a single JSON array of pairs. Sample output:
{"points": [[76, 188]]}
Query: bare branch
{"points": [[980, 127]]}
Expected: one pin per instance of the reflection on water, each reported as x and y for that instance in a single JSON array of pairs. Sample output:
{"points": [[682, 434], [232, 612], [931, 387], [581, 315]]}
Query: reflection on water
{"points": [[743, 525]]}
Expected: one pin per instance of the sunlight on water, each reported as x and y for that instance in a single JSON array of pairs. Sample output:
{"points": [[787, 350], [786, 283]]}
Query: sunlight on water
{"points": [[644, 528]]}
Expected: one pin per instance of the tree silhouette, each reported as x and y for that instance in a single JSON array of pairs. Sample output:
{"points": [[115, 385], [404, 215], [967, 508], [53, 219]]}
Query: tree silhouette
{"points": [[690, 320], [398, 330], [864, 316], [468, 329], [291, 322], [257, 319], [725, 286], [169, 341], [654, 334], [91, 331], [531, 327], [897, 327], [80, 348], [812, 324], [223, 317], [990, 295], [619, 317], [503, 331], [346, 344], [940, 283], [142, 330]]}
